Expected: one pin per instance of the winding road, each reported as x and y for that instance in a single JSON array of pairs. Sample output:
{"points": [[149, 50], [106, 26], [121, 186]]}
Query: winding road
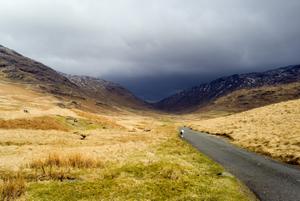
{"points": [[268, 179]]}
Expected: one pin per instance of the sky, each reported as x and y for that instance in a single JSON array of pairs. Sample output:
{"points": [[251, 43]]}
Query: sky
{"points": [[154, 47]]}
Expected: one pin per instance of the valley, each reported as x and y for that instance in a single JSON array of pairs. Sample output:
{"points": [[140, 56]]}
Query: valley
{"points": [[67, 137], [48, 150]]}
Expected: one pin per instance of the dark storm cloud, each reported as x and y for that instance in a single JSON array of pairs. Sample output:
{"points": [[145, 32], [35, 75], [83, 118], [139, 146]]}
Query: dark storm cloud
{"points": [[172, 43]]}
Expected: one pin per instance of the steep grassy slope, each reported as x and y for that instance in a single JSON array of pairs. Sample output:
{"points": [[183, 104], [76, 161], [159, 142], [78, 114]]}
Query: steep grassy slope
{"points": [[271, 130]]}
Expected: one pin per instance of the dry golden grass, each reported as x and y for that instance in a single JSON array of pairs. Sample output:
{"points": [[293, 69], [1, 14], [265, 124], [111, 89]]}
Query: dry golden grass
{"points": [[164, 170], [12, 187], [15, 98], [36, 123], [140, 159], [272, 130], [19, 147]]}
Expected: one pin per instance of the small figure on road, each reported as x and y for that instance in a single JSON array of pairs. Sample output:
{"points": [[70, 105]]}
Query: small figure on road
{"points": [[181, 133]]}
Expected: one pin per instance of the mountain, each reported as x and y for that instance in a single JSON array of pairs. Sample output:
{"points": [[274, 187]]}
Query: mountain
{"points": [[202, 95], [106, 92], [20, 69], [245, 99]]}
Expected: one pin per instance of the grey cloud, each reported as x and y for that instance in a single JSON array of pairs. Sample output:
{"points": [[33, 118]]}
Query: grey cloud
{"points": [[146, 41]]}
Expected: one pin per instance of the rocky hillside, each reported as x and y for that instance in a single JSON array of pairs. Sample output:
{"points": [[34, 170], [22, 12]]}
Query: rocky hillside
{"points": [[20, 69], [245, 99], [201, 95], [106, 92]]}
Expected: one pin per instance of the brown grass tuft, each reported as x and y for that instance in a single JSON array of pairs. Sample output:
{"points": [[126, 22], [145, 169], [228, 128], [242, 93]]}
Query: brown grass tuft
{"points": [[59, 167], [76, 160], [12, 187]]}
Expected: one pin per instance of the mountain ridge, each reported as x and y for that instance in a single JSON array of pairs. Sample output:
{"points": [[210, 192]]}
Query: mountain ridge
{"points": [[201, 95]]}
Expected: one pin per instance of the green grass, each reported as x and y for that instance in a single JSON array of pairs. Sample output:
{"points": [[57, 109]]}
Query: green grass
{"points": [[176, 172]]}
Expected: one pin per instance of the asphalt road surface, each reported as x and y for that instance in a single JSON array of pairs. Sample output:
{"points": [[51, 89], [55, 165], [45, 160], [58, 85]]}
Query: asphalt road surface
{"points": [[268, 179]]}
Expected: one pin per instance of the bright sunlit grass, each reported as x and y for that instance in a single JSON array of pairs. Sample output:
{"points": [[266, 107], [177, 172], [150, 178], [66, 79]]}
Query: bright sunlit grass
{"points": [[271, 130]]}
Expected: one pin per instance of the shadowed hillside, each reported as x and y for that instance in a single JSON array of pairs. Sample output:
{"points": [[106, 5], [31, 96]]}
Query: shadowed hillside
{"points": [[245, 99], [204, 94], [21, 69]]}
